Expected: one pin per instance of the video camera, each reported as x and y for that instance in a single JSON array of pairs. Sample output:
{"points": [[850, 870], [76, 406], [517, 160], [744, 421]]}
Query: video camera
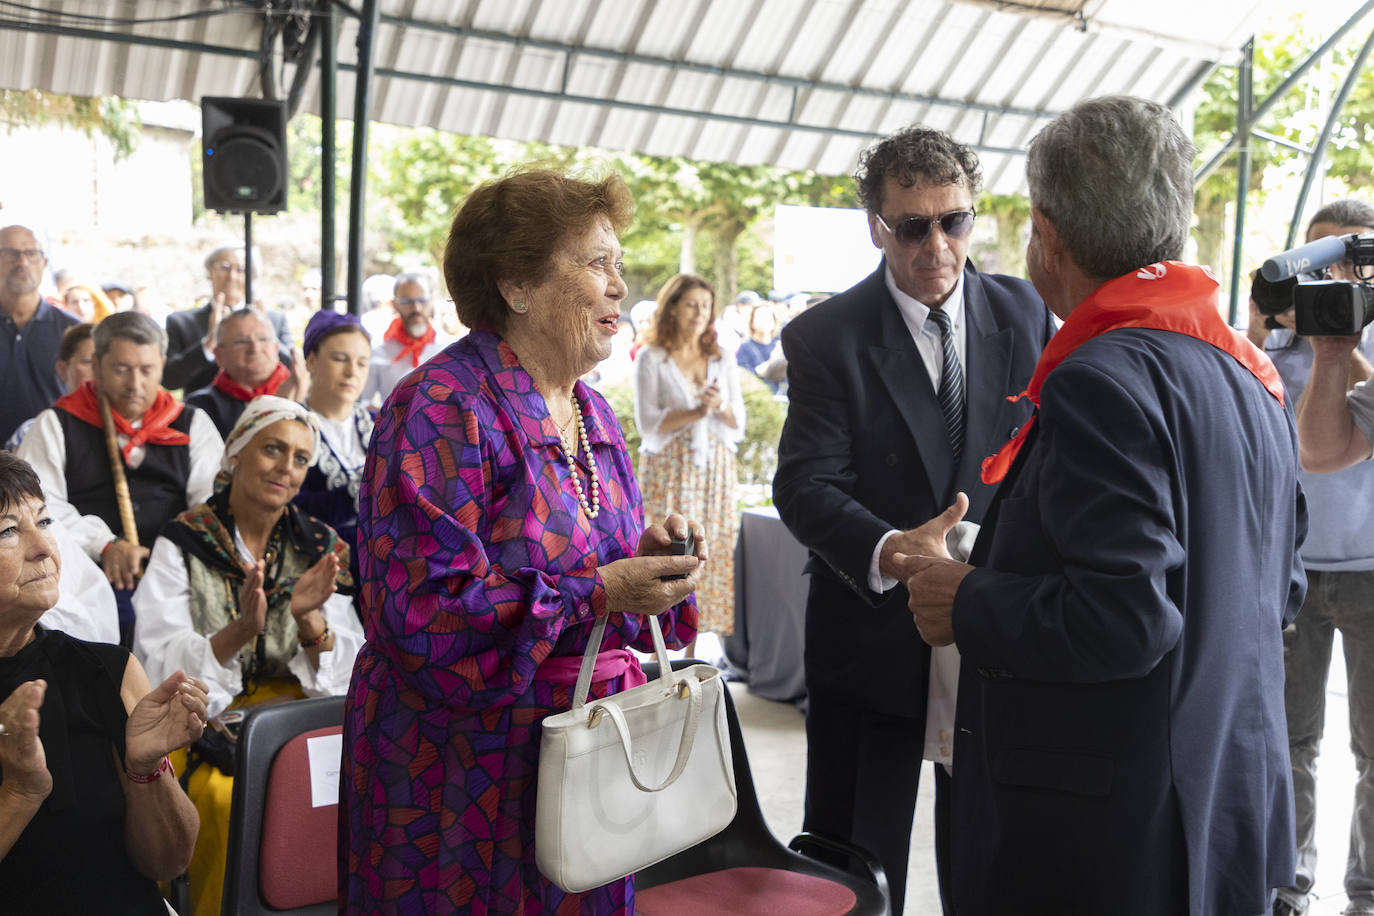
{"points": [[1322, 308]]}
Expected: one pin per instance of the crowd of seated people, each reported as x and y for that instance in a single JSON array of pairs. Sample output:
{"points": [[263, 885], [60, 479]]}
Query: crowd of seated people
{"points": [[196, 482]]}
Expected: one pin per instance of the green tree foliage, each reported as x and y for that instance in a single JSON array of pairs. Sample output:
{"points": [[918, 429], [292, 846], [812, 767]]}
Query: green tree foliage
{"points": [[114, 118], [1296, 117]]}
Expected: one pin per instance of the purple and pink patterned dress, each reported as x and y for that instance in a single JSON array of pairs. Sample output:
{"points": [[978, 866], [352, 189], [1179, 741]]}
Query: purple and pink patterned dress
{"points": [[477, 564]]}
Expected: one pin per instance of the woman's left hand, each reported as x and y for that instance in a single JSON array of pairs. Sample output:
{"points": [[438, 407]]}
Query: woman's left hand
{"points": [[314, 588], [172, 715], [656, 538]]}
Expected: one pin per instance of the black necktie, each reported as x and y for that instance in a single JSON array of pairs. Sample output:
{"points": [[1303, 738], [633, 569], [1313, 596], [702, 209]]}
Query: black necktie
{"points": [[951, 393]]}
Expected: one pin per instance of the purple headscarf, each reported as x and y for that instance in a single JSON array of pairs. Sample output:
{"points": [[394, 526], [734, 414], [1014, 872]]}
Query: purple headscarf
{"points": [[326, 322]]}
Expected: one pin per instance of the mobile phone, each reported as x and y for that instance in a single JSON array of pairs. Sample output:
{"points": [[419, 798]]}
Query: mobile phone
{"points": [[680, 547]]}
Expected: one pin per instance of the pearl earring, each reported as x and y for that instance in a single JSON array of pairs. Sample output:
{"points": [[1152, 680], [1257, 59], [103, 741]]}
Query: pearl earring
{"points": [[519, 306]]}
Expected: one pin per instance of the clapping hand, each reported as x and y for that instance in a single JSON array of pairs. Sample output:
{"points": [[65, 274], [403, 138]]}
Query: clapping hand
{"points": [[253, 601], [315, 586], [22, 760], [172, 715]]}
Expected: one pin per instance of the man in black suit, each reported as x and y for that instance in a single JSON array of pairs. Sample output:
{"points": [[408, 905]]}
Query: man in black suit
{"points": [[191, 334], [898, 388]]}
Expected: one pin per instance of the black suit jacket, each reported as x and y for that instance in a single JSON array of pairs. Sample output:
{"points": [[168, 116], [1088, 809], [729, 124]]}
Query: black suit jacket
{"points": [[187, 368], [864, 450]]}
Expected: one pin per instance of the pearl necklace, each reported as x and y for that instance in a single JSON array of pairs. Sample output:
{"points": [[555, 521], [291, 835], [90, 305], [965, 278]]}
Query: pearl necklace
{"points": [[570, 453]]}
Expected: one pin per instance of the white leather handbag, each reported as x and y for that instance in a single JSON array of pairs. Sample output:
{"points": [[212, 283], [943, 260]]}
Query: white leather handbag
{"points": [[634, 778]]}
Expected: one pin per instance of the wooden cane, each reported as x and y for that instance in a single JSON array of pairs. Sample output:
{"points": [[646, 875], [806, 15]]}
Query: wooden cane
{"points": [[121, 483]]}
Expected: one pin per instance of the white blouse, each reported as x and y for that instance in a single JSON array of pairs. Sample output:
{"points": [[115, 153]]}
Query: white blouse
{"points": [[165, 639], [660, 387]]}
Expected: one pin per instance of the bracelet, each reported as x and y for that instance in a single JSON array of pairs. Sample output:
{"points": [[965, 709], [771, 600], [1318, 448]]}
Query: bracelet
{"points": [[108, 544], [144, 778], [318, 640]]}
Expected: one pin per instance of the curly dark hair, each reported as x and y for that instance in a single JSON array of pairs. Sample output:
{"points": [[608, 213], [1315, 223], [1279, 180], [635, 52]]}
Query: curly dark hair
{"points": [[18, 482], [664, 331], [511, 228], [913, 154]]}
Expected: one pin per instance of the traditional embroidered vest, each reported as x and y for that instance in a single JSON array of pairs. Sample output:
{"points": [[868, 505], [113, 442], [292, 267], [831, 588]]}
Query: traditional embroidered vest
{"points": [[214, 603], [157, 486]]}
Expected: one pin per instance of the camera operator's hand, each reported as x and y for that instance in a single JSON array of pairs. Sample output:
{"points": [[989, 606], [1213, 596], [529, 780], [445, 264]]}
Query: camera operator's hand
{"points": [[1328, 438]]}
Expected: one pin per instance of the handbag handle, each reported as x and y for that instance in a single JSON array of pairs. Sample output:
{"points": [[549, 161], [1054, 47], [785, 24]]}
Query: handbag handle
{"points": [[684, 747], [584, 673]]}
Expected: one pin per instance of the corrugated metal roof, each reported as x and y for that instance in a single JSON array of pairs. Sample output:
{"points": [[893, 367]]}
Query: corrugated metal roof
{"points": [[802, 84]]}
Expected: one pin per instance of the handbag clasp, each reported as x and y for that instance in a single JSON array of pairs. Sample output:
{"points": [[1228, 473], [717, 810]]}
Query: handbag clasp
{"points": [[683, 690], [597, 712]]}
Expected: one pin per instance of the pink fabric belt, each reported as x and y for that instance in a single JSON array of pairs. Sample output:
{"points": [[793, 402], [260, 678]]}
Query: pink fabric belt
{"points": [[610, 663]]}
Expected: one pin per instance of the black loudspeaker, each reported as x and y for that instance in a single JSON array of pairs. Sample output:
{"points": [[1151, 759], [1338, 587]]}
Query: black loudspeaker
{"points": [[243, 143]]}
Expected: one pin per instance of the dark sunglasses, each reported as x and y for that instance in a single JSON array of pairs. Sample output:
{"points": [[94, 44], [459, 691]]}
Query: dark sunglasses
{"points": [[914, 230]]}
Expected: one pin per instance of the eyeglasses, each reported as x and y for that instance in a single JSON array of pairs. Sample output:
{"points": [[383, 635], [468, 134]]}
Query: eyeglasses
{"points": [[14, 254], [423, 300], [914, 230]]}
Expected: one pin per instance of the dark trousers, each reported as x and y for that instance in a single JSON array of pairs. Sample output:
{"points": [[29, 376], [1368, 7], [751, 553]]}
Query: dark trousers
{"points": [[862, 772]]}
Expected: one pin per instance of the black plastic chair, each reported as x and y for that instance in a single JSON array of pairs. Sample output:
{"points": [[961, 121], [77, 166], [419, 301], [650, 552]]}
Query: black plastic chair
{"points": [[686, 882], [267, 735]]}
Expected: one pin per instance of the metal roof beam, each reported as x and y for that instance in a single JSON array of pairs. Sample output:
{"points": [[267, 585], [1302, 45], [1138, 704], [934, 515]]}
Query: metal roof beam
{"points": [[723, 72], [644, 107], [171, 44]]}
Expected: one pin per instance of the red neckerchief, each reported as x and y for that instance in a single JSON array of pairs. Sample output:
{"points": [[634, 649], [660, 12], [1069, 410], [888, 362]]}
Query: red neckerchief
{"points": [[235, 390], [412, 346], [1168, 296], [84, 404]]}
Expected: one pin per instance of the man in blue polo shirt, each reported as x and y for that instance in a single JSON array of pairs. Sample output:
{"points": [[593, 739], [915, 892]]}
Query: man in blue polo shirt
{"points": [[30, 331]]}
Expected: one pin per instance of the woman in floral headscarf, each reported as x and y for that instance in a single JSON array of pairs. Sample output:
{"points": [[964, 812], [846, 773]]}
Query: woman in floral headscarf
{"points": [[244, 591]]}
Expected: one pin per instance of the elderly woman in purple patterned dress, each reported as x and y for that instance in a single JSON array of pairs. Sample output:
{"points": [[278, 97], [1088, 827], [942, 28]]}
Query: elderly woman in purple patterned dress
{"points": [[499, 517]]}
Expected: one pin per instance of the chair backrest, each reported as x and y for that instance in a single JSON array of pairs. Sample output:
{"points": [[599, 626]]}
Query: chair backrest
{"points": [[283, 843], [746, 849]]}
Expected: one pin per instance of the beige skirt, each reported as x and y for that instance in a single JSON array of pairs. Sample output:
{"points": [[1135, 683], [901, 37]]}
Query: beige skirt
{"points": [[671, 483]]}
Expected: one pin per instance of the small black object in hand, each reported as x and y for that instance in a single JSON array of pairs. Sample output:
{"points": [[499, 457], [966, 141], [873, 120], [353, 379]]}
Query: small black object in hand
{"points": [[680, 547]]}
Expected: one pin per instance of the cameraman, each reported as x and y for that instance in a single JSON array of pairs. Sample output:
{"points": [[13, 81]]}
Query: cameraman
{"points": [[1334, 433]]}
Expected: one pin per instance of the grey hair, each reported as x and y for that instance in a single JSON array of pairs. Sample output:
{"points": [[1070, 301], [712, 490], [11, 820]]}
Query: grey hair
{"points": [[1348, 212], [913, 154], [1114, 176], [235, 316], [412, 276], [222, 250], [135, 327]]}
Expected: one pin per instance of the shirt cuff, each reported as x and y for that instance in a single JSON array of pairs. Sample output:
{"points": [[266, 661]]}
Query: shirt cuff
{"points": [[878, 582], [585, 592]]}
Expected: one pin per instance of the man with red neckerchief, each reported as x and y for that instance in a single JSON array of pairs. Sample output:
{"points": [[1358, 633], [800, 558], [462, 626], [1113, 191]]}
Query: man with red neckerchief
{"points": [[1120, 741], [247, 355], [170, 452], [410, 340]]}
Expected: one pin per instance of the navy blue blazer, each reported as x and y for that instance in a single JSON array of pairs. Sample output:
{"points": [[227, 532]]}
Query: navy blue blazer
{"points": [[1120, 736], [864, 450]]}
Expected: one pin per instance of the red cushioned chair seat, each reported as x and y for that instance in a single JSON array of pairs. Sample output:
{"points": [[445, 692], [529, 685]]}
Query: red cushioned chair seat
{"points": [[299, 849], [751, 891]]}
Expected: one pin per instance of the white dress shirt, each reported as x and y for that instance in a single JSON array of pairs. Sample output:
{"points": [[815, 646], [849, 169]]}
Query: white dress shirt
{"points": [[45, 447], [944, 660], [165, 639]]}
